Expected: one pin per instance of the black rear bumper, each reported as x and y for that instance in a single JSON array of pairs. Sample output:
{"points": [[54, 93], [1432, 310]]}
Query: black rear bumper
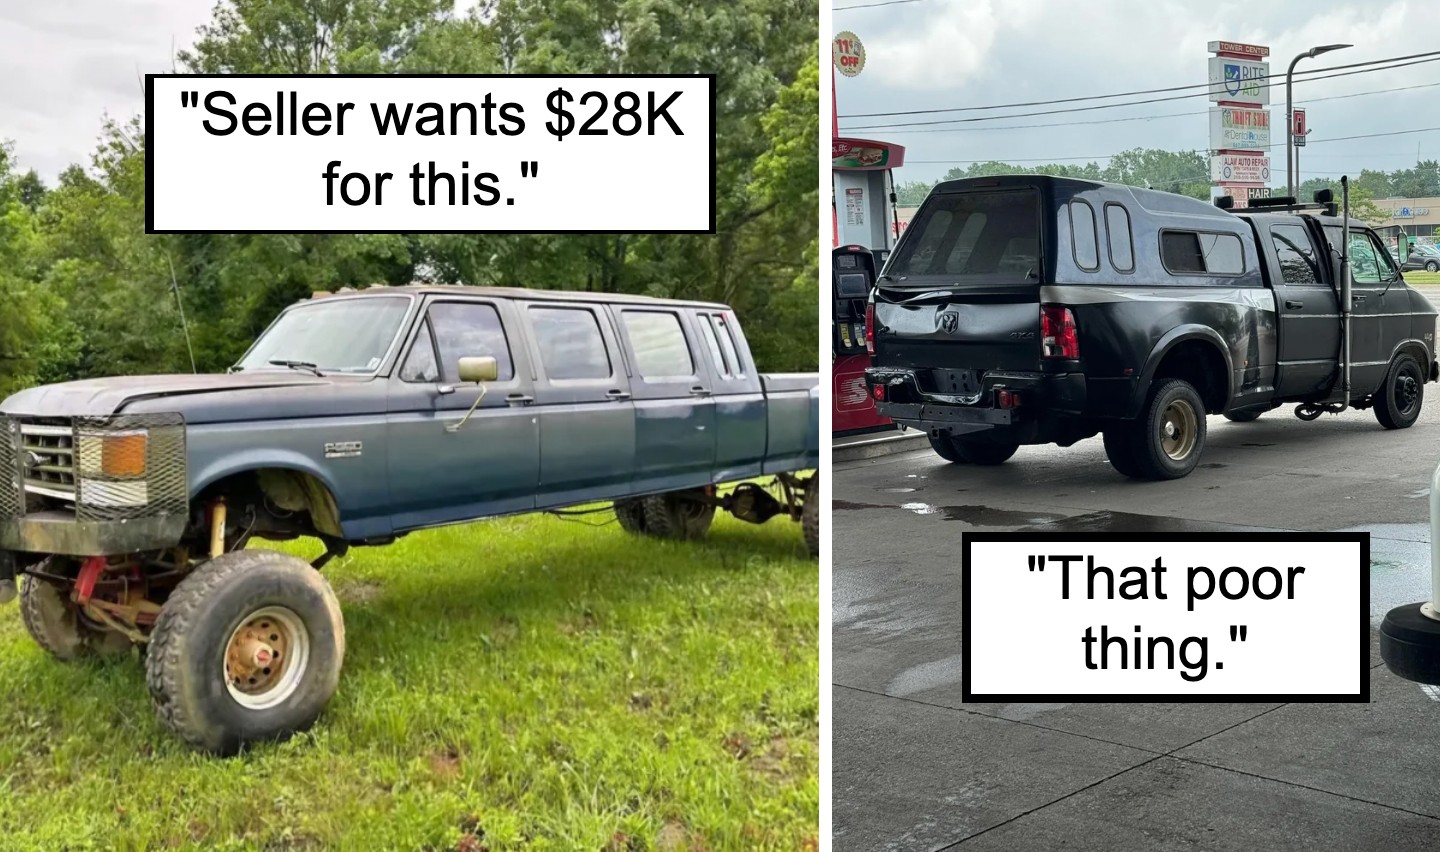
{"points": [[1045, 398]]}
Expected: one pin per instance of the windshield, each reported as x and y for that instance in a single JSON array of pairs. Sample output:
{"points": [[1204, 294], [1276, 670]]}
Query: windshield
{"points": [[974, 236], [343, 336]]}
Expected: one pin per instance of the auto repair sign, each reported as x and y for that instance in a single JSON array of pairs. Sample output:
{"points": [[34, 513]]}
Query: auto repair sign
{"points": [[1240, 168], [1239, 127]]}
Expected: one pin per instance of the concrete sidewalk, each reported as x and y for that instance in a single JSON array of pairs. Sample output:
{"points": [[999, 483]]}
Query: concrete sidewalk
{"points": [[914, 768]]}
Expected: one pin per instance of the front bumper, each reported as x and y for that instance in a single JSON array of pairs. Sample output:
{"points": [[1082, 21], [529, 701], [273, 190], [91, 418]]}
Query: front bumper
{"points": [[59, 532]]}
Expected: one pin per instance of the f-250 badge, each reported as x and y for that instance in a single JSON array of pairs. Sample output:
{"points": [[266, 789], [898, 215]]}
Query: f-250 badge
{"points": [[344, 449]]}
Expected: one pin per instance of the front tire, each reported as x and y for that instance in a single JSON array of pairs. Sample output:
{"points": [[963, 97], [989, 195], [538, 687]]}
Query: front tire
{"points": [[248, 648], [1397, 405], [1167, 440], [56, 625]]}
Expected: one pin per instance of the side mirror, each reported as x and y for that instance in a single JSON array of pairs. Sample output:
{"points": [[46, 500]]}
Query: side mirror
{"points": [[479, 369]]}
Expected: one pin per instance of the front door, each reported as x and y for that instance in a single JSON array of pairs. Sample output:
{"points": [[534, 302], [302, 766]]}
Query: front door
{"points": [[674, 400], [583, 401], [490, 464], [1309, 345], [1381, 306]]}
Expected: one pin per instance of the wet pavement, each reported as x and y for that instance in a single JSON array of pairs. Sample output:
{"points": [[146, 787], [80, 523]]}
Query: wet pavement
{"points": [[915, 768]]}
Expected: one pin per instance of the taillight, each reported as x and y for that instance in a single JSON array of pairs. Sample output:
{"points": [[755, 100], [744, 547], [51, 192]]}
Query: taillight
{"points": [[870, 328], [1058, 338]]}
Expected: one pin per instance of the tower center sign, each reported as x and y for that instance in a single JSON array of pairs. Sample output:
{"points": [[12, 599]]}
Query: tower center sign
{"points": [[1240, 124]]}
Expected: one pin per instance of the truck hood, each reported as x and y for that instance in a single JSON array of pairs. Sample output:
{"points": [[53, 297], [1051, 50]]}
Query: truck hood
{"points": [[102, 397]]}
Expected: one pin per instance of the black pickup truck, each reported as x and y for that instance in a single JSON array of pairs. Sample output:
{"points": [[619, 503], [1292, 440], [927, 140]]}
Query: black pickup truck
{"points": [[1030, 310]]}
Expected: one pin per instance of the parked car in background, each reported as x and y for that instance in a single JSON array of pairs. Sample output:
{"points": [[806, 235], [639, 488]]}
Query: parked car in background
{"points": [[1422, 257]]}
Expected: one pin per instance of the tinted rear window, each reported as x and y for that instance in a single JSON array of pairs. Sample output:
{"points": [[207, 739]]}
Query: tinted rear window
{"points": [[974, 235], [1200, 253]]}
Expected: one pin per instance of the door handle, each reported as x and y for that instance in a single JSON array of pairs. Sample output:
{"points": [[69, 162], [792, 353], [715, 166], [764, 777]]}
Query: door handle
{"points": [[519, 399], [618, 395], [1294, 304], [699, 391], [1356, 299]]}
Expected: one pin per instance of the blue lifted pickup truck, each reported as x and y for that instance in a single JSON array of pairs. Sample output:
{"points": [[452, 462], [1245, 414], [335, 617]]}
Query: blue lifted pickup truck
{"points": [[127, 503]]}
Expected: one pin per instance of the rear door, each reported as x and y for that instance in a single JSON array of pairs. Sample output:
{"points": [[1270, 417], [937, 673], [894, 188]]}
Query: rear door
{"points": [[674, 404], [582, 402], [740, 405], [961, 294], [1309, 344]]}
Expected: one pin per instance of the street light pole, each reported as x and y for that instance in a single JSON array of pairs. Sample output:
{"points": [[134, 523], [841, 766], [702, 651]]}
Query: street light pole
{"points": [[1289, 109]]}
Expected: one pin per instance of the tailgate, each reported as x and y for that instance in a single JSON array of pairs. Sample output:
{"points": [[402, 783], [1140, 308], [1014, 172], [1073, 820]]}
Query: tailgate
{"points": [[994, 332]]}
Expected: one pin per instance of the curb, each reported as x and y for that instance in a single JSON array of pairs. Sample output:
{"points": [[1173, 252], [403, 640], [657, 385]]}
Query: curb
{"points": [[866, 447]]}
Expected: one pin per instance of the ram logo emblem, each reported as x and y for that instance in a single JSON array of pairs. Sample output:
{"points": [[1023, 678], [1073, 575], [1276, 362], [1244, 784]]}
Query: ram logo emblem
{"points": [[949, 321]]}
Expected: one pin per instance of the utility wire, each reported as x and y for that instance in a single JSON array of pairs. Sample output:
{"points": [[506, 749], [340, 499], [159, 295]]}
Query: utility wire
{"points": [[1106, 106], [1307, 102], [872, 5], [1207, 86]]}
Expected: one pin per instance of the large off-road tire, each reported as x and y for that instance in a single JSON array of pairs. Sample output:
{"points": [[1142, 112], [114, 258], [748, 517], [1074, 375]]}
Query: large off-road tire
{"points": [[1397, 404], [678, 514], [1243, 416], [631, 515], [810, 515], [1168, 438], [973, 450], [55, 623], [247, 648]]}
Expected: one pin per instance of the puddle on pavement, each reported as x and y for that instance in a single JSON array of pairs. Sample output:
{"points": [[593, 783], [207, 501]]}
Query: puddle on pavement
{"points": [[1107, 521], [1399, 565], [946, 672], [984, 516], [897, 490], [920, 508]]}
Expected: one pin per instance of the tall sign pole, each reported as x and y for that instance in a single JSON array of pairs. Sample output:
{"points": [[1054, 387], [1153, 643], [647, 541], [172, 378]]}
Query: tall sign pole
{"points": [[1239, 120]]}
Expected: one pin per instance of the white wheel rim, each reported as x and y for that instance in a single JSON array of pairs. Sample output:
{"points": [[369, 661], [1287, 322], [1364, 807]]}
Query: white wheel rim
{"points": [[266, 658]]}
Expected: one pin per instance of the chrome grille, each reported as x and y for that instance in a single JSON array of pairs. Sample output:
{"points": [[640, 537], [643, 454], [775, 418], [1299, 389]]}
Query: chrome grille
{"points": [[47, 455]]}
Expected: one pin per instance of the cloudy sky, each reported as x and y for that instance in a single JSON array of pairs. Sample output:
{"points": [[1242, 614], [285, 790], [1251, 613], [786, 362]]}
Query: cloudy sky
{"points": [[930, 54]]}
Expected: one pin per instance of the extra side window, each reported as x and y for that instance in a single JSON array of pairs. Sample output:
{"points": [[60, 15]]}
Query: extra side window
{"points": [[469, 330], [1083, 237], [661, 351], [420, 364], [1122, 244], [571, 345], [1201, 253], [707, 331]]}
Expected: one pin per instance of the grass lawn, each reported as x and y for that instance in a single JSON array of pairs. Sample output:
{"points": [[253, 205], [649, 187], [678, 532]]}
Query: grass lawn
{"points": [[1419, 279], [523, 683]]}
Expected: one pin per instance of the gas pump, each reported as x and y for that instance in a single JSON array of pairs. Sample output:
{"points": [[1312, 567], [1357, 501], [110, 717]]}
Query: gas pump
{"points": [[866, 226]]}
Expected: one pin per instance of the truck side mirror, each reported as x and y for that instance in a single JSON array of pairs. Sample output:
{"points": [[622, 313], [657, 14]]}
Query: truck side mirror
{"points": [[479, 369]]}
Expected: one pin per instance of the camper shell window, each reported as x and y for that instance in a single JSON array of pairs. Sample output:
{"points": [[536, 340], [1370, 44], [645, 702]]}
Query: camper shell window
{"points": [[984, 237], [1201, 253]]}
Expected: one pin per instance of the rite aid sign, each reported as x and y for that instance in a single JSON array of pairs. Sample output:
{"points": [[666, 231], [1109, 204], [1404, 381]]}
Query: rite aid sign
{"points": [[1240, 168], [1239, 80]]}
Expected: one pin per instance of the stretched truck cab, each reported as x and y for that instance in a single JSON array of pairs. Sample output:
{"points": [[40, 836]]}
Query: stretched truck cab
{"points": [[1032, 309]]}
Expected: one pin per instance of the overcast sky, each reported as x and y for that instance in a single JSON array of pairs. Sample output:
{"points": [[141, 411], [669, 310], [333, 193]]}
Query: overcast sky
{"points": [[931, 54]]}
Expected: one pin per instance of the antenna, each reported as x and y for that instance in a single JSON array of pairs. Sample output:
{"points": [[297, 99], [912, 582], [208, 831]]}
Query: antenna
{"points": [[185, 327]]}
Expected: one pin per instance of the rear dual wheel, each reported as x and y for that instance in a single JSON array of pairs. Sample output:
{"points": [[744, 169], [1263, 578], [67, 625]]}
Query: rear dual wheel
{"points": [[972, 450], [1166, 441]]}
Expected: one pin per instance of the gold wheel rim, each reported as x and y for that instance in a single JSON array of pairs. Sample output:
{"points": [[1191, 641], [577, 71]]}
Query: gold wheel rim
{"points": [[266, 658], [1179, 429]]}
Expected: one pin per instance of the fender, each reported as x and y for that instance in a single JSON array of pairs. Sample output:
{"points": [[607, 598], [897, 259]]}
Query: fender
{"points": [[252, 459], [1173, 338], [1427, 365]]}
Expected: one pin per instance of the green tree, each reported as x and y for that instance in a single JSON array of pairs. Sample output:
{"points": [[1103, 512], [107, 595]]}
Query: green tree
{"points": [[911, 193]]}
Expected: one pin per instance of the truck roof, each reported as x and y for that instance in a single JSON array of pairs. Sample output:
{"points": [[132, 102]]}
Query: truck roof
{"points": [[1149, 199], [1262, 216], [516, 293]]}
